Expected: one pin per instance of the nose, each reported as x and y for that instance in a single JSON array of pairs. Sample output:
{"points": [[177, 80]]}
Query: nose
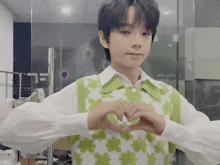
{"points": [[137, 42]]}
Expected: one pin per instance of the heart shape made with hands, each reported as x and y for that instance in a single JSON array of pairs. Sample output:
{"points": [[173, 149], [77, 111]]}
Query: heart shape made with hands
{"points": [[112, 117]]}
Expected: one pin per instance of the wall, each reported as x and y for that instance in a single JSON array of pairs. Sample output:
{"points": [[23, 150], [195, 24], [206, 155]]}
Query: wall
{"points": [[207, 13], [6, 53]]}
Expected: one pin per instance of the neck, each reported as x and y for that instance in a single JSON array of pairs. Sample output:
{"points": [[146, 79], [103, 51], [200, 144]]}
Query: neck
{"points": [[133, 74]]}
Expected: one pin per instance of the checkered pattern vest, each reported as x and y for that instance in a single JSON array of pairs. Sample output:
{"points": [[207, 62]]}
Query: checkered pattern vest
{"points": [[107, 147]]}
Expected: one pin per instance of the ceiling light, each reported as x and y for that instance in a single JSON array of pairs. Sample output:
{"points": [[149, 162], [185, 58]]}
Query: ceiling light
{"points": [[66, 9], [166, 12]]}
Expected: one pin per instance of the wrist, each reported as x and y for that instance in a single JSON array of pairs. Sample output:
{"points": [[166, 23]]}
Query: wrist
{"points": [[89, 121], [162, 126]]}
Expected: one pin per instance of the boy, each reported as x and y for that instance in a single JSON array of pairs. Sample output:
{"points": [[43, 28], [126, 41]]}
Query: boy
{"points": [[87, 110]]}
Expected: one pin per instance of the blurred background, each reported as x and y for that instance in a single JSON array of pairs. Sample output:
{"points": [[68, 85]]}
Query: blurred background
{"points": [[185, 53]]}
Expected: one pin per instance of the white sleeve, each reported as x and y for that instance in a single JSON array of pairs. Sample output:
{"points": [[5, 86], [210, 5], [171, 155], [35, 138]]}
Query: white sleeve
{"points": [[197, 136], [33, 127]]}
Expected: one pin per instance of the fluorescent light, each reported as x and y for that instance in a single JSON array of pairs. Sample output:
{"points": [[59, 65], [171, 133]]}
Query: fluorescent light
{"points": [[166, 12], [170, 45], [66, 9]]}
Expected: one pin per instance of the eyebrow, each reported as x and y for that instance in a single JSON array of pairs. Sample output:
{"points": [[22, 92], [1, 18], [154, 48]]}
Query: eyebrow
{"points": [[126, 24], [122, 25]]}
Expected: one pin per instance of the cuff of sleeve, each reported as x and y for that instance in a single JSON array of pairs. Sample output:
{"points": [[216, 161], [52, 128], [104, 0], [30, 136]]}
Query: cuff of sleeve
{"points": [[75, 124], [177, 133], [171, 128]]}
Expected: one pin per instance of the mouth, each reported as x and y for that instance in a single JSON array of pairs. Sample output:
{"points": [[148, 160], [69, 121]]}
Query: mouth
{"points": [[135, 54]]}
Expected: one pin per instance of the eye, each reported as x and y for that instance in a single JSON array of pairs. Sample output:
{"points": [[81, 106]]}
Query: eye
{"points": [[125, 32], [146, 34]]}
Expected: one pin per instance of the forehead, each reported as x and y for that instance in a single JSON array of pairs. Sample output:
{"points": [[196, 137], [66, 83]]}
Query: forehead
{"points": [[131, 15], [134, 18]]}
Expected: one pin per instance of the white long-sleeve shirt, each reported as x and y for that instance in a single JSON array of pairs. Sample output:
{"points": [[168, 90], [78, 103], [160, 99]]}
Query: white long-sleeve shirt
{"points": [[33, 127]]}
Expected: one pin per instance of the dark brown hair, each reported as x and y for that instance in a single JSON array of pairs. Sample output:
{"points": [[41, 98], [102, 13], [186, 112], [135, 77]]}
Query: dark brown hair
{"points": [[113, 15]]}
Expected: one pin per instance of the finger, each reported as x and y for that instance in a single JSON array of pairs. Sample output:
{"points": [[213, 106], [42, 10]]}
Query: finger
{"points": [[116, 102], [121, 109], [129, 108], [132, 127], [114, 127], [118, 113], [119, 105], [134, 109], [136, 115], [139, 126]]}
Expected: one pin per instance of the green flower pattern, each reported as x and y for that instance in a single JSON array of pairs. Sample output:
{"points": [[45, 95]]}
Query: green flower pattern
{"points": [[113, 143], [93, 83], [128, 158], [78, 158], [112, 118], [150, 137], [167, 108], [151, 159], [159, 147], [127, 136], [133, 97], [87, 145], [94, 103], [99, 134], [102, 159], [139, 145]]}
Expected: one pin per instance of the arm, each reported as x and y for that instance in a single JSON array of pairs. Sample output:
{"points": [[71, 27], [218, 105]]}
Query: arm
{"points": [[33, 127], [197, 136]]}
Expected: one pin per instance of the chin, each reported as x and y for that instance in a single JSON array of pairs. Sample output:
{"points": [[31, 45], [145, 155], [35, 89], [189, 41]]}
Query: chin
{"points": [[133, 65]]}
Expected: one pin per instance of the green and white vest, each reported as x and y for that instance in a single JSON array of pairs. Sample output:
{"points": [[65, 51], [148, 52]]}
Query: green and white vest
{"points": [[107, 147]]}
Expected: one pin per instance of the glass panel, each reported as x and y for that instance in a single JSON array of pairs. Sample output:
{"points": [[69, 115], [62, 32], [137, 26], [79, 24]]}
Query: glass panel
{"points": [[202, 58], [161, 63], [208, 97]]}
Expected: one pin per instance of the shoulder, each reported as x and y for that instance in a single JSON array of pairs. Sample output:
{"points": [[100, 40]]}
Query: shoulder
{"points": [[166, 88], [88, 81], [82, 80], [88, 78]]}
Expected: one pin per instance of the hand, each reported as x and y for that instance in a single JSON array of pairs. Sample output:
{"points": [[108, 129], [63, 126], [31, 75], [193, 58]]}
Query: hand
{"points": [[97, 118], [150, 121]]}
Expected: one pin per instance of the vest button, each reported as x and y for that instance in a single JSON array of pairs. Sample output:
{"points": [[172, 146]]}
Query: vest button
{"points": [[133, 90]]}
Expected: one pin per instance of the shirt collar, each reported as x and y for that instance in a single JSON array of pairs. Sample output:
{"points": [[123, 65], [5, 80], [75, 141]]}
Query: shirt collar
{"points": [[110, 81]]}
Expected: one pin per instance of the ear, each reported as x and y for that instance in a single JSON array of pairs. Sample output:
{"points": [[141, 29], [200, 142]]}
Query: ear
{"points": [[103, 40]]}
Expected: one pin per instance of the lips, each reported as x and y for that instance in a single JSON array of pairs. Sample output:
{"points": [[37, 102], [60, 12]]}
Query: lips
{"points": [[134, 54]]}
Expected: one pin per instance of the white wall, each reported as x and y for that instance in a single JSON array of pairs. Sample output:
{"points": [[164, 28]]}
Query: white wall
{"points": [[6, 53], [202, 49]]}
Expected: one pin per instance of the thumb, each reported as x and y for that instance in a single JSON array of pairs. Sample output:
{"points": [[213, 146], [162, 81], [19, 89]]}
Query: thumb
{"points": [[132, 127], [113, 126]]}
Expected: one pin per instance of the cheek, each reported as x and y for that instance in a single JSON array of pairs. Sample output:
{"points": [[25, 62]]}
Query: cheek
{"points": [[121, 40], [119, 45]]}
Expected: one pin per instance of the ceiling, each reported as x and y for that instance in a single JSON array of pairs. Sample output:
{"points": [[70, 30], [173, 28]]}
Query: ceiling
{"points": [[84, 11], [49, 11], [21, 9]]}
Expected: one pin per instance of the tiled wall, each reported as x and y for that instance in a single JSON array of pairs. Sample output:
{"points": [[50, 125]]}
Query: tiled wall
{"points": [[6, 53]]}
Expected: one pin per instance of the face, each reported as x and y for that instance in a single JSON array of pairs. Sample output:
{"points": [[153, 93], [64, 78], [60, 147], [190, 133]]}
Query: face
{"points": [[129, 45]]}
